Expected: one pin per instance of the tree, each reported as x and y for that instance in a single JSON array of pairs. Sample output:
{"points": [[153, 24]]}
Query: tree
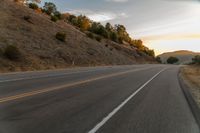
{"points": [[109, 27], [33, 6], [122, 33], [57, 14], [114, 37], [149, 52], [99, 29], [196, 59], [50, 8], [172, 60], [158, 59], [83, 23], [139, 44]]}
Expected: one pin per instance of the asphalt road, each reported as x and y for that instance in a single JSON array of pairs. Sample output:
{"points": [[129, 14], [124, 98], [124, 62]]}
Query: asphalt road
{"points": [[121, 99]]}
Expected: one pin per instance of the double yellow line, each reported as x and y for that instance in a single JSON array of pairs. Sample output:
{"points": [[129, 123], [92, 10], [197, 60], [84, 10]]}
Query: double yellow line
{"points": [[32, 93]]}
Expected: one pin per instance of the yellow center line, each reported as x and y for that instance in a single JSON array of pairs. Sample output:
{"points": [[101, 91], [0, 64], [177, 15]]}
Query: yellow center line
{"points": [[32, 93]]}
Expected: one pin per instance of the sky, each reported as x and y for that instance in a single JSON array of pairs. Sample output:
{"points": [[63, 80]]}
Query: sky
{"points": [[163, 25]]}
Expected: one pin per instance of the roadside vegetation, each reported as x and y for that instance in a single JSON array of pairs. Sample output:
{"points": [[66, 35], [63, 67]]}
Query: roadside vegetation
{"points": [[172, 60], [158, 59], [196, 60], [94, 30], [191, 75], [12, 52]]}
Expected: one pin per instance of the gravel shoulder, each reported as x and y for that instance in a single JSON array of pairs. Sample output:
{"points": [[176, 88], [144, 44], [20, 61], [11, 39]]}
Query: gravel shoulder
{"points": [[191, 76]]}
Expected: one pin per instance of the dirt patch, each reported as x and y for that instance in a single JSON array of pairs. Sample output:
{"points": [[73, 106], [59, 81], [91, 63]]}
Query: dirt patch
{"points": [[191, 75]]}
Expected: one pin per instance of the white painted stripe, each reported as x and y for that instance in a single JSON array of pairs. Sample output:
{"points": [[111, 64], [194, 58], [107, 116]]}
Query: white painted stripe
{"points": [[105, 119]]}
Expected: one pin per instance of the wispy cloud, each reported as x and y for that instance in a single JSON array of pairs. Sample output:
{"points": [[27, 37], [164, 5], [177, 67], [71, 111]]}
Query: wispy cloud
{"points": [[98, 16], [116, 0], [172, 37]]}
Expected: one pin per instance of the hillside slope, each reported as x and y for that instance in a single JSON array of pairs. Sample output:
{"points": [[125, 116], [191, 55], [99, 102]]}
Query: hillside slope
{"points": [[41, 50], [184, 56]]}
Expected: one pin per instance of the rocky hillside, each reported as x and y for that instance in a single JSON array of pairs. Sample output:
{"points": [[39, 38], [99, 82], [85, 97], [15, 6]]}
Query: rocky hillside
{"points": [[33, 34], [184, 56]]}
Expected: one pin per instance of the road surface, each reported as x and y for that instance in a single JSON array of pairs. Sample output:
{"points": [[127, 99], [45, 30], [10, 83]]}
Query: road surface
{"points": [[120, 99]]}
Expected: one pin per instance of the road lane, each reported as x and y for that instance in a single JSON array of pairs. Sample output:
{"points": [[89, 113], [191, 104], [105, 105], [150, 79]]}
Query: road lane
{"points": [[16, 87], [77, 109], [160, 108]]}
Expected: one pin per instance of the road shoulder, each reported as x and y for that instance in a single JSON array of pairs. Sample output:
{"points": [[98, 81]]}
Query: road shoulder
{"points": [[190, 92]]}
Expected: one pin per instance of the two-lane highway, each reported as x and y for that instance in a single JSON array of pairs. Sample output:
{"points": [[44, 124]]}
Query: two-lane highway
{"points": [[121, 99]]}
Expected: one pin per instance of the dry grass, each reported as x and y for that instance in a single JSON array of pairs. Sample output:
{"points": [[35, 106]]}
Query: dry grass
{"points": [[41, 50], [192, 76]]}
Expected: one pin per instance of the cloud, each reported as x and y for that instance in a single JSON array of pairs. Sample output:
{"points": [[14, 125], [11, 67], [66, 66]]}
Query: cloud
{"points": [[98, 16], [116, 0], [172, 37]]}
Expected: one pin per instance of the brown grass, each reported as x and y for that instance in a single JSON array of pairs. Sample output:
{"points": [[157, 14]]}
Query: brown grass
{"points": [[192, 76], [41, 50]]}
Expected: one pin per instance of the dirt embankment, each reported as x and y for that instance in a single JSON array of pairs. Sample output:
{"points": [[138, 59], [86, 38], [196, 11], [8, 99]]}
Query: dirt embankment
{"points": [[40, 49], [191, 75]]}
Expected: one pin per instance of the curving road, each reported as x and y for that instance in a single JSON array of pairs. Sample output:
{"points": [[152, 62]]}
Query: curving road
{"points": [[119, 99]]}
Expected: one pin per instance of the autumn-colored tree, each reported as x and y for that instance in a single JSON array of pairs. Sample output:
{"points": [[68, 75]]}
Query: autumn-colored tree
{"points": [[83, 23]]}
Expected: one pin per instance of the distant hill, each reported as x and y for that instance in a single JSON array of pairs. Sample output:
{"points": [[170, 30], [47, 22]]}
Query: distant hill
{"points": [[33, 33], [184, 56]]}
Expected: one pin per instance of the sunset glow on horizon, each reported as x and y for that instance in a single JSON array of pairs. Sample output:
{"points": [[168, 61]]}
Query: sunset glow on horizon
{"points": [[163, 25]]}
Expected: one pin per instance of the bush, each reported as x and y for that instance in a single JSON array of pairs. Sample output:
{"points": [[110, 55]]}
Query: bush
{"points": [[90, 35], [172, 60], [54, 18], [158, 59], [1, 52], [27, 18], [196, 59], [33, 6], [12, 52], [58, 14], [61, 36], [98, 38]]}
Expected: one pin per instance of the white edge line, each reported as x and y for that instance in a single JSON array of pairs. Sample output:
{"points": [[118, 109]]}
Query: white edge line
{"points": [[105, 119]]}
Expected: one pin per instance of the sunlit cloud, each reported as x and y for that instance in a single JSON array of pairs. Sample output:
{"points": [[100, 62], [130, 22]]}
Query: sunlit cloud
{"points": [[164, 25], [98, 16], [172, 37]]}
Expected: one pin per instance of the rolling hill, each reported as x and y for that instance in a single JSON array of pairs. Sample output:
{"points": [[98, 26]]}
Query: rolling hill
{"points": [[184, 56], [33, 33]]}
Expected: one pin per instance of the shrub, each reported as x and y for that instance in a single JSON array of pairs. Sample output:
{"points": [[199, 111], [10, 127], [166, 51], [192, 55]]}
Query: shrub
{"points": [[1, 52], [90, 35], [172, 60], [12, 52], [33, 6], [27, 18], [54, 18], [57, 14], [158, 59], [61, 36], [196, 59], [98, 38]]}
